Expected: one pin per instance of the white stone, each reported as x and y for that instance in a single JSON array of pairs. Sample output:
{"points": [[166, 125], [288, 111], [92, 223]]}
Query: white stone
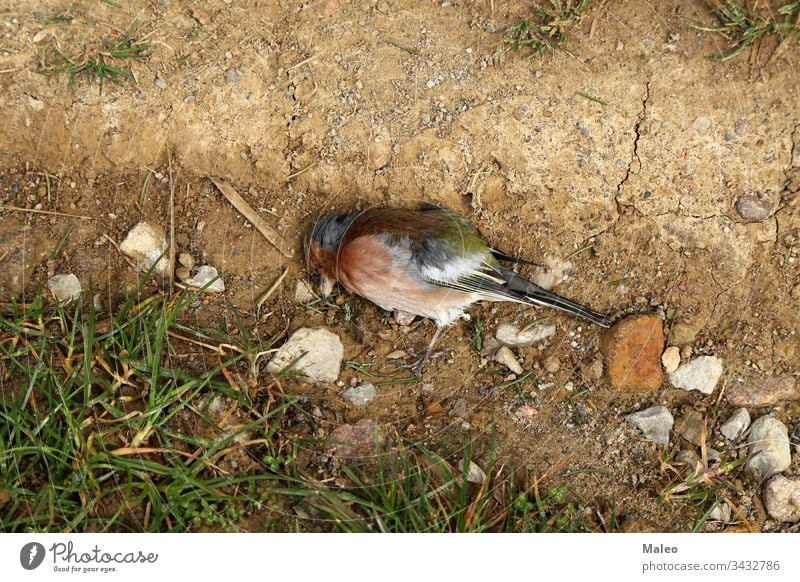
{"points": [[769, 451], [144, 245], [782, 498], [735, 426], [654, 422], [505, 356], [302, 292], [323, 354], [360, 395], [671, 359], [701, 374], [203, 276], [65, 288], [511, 335]]}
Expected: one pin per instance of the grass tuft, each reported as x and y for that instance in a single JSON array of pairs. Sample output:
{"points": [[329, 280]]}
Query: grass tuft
{"points": [[547, 30], [742, 26], [94, 66]]}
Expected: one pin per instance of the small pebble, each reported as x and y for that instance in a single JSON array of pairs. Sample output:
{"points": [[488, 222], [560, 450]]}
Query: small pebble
{"points": [[186, 260], [701, 374], [552, 364], [232, 76], [671, 359], [782, 498], [65, 288], [204, 275], [734, 427], [654, 422], [360, 395], [183, 273], [472, 472], [511, 335], [505, 356], [751, 208]]}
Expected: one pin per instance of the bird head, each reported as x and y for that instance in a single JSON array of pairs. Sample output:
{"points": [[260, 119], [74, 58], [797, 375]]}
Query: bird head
{"points": [[322, 248]]}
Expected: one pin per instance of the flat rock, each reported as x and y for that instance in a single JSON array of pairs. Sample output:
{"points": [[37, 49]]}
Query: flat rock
{"points": [[751, 208], [360, 440], [204, 276], [782, 498], [701, 374], [734, 427], [769, 451], [755, 392], [65, 288], [323, 354], [690, 426], [146, 245], [510, 335], [360, 395], [632, 350], [505, 356], [654, 422]]}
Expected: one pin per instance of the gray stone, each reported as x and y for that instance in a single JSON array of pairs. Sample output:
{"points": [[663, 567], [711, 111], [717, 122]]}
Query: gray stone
{"points": [[769, 451], [782, 498], [654, 422], [204, 275], [752, 208], [144, 244], [473, 472], [511, 335], [65, 288], [701, 374], [319, 350], [360, 395], [734, 427], [232, 76]]}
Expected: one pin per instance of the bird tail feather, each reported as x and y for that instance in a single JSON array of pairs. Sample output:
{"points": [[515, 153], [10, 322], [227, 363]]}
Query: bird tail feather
{"points": [[532, 294]]}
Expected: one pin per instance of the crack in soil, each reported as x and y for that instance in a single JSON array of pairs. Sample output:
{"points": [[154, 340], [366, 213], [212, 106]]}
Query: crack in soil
{"points": [[636, 128]]}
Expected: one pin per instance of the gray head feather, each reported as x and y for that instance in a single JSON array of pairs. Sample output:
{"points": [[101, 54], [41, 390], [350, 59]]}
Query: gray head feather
{"points": [[329, 230]]}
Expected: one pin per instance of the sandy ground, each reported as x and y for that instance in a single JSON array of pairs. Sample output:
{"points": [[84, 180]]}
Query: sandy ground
{"points": [[337, 104]]}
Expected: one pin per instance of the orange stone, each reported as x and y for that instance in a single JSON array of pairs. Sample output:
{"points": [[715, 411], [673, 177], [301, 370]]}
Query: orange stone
{"points": [[632, 349]]}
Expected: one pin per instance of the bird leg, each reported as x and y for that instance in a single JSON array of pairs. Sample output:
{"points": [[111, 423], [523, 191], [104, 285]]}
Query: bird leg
{"points": [[417, 366]]}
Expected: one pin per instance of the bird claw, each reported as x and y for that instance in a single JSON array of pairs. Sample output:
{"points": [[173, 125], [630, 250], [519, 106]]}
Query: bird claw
{"points": [[420, 361]]}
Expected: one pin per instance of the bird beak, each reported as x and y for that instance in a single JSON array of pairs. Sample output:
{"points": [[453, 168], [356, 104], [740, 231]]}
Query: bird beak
{"points": [[326, 287]]}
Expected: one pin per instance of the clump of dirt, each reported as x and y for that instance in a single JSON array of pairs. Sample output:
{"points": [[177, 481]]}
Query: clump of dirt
{"points": [[337, 105]]}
